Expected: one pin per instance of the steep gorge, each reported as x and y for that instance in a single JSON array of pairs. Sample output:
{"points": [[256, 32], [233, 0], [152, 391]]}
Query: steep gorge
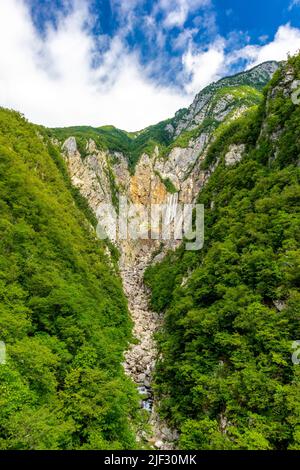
{"points": [[163, 174]]}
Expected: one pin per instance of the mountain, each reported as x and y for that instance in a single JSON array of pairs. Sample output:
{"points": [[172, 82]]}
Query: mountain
{"points": [[239, 91], [153, 165], [220, 375], [226, 95]]}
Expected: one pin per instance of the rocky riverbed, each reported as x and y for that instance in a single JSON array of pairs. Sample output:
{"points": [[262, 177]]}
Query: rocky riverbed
{"points": [[140, 358]]}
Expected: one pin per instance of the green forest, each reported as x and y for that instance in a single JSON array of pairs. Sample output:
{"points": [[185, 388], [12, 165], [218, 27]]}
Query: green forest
{"points": [[63, 314], [225, 377]]}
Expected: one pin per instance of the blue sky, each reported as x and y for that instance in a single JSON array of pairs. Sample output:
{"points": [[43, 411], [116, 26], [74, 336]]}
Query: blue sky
{"points": [[131, 63]]}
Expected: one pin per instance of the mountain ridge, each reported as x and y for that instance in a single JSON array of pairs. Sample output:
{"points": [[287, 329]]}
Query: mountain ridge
{"points": [[133, 144]]}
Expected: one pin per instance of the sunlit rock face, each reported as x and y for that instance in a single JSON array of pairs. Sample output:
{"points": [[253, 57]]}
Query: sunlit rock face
{"points": [[204, 103], [89, 175], [234, 154]]}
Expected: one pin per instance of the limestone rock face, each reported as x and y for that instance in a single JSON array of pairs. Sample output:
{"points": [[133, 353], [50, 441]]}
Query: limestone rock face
{"points": [[234, 154], [145, 185], [121, 172], [89, 175], [180, 161], [70, 146]]}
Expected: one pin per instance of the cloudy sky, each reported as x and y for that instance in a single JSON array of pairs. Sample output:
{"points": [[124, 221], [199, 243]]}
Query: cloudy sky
{"points": [[131, 63]]}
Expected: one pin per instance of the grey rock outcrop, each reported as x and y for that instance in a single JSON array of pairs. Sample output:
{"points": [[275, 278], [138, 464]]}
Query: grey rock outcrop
{"points": [[234, 154]]}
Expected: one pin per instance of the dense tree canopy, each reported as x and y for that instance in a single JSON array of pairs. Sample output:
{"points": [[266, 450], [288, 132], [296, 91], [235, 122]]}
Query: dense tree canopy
{"points": [[63, 315], [232, 311]]}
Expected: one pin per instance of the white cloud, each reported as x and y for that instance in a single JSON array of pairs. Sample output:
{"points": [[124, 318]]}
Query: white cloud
{"points": [[52, 81], [204, 67], [286, 41], [177, 11], [184, 37], [293, 3]]}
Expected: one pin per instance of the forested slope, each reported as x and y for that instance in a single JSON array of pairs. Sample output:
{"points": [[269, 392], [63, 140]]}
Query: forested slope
{"points": [[232, 311], [63, 315]]}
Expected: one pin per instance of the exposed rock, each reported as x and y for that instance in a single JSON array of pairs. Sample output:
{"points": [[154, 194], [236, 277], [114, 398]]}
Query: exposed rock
{"points": [[223, 423], [170, 128], [140, 358], [234, 154], [159, 444], [70, 146], [90, 175], [141, 378], [181, 161], [203, 105], [279, 304]]}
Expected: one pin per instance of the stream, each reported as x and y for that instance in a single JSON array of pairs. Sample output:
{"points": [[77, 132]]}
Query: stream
{"points": [[140, 358]]}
